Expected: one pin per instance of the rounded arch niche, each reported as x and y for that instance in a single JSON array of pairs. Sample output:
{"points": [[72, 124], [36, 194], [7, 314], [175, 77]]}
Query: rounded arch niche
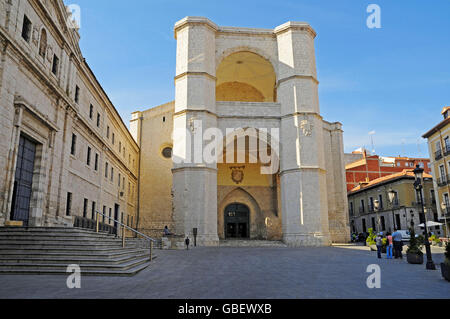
{"points": [[246, 77]]}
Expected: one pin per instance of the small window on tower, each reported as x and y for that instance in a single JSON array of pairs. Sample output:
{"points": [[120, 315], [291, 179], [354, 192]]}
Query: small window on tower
{"points": [[26, 28]]}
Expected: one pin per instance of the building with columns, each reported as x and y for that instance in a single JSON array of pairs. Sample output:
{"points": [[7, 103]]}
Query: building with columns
{"points": [[65, 153], [233, 86]]}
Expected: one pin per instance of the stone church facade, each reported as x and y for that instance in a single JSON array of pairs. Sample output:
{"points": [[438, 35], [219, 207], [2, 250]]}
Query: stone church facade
{"points": [[64, 150], [243, 82]]}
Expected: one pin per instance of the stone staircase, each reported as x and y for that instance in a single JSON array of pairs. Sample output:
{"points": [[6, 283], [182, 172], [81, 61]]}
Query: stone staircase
{"points": [[48, 251], [252, 243]]}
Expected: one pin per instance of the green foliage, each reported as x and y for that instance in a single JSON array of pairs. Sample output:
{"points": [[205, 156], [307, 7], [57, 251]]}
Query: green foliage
{"points": [[385, 242], [371, 240], [415, 244]]}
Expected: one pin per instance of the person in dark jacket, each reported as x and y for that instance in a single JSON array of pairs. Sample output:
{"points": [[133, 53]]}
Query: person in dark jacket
{"points": [[187, 242]]}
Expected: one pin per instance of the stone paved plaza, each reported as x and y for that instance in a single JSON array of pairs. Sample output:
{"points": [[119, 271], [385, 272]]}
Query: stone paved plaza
{"points": [[203, 273]]}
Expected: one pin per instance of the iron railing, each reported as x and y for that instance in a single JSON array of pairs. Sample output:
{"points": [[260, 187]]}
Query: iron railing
{"points": [[438, 155], [124, 233]]}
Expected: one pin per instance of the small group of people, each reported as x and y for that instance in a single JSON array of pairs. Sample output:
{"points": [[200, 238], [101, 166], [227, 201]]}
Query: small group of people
{"points": [[394, 244]]}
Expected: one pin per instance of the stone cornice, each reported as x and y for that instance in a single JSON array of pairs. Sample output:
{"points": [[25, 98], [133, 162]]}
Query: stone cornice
{"points": [[298, 76], [295, 26], [190, 21], [303, 168], [183, 112], [189, 73], [20, 101]]}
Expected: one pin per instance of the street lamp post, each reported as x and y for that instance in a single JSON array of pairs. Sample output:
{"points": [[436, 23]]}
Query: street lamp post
{"points": [[376, 206], [418, 172], [444, 213], [392, 196]]}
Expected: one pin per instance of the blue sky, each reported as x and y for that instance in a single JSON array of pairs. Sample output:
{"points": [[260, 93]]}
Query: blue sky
{"points": [[394, 80]]}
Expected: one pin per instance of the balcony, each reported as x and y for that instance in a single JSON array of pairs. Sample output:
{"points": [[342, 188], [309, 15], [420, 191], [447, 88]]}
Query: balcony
{"points": [[442, 181], [438, 155]]}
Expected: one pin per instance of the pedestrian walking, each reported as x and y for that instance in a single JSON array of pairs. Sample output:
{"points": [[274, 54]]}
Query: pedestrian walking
{"points": [[389, 246], [187, 242], [398, 244]]}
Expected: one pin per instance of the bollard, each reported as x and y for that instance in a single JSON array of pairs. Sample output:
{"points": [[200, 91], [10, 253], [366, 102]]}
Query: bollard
{"points": [[123, 236], [151, 250]]}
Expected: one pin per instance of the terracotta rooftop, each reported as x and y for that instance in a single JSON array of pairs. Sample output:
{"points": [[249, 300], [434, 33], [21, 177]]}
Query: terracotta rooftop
{"points": [[405, 173]]}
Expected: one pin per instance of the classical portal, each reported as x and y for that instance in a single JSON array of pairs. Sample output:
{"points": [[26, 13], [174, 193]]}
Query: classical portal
{"points": [[243, 151]]}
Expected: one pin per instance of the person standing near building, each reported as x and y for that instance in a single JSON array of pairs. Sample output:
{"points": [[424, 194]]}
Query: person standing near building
{"points": [[187, 242], [379, 241], [398, 244], [389, 246]]}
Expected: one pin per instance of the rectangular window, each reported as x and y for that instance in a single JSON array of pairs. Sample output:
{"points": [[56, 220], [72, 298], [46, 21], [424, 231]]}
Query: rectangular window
{"points": [[362, 208], [119, 179], [104, 214], [77, 94], [123, 183], [73, 148], [107, 132], [98, 119], [85, 207], [383, 223], [26, 28], [55, 64], [93, 210], [112, 174], [113, 138], [380, 199], [120, 147], [91, 111], [109, 220], [69, 204], [96, 162], [106, 170], [88, 159]]}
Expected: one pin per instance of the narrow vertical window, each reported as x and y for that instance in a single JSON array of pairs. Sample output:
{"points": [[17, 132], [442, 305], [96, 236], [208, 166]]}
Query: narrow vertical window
{"points": [[77, 94], [26, 28], [107, 132], [104, 214], [93, 211], [91, 111], [96, 162], [85, 207], [112, 174], [113, 138], [88, 159], [73, 148], [98, 119], [106, 170], [69, 204], [55, 65]]}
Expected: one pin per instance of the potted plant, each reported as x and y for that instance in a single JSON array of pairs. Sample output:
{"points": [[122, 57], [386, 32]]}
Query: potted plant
{"points": [[445, 266], [414, 253]]}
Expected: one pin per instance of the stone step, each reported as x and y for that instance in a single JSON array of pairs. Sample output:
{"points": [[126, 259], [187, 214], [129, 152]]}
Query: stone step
{"points": [[68, 260], [49, 251], [84, 267], [65, 230], [98, 272], [49, 243], [252, 243], [89, 254]]}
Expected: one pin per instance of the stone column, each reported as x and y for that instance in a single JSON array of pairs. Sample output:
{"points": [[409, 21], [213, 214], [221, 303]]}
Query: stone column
{"points": [[303, 174], [194, 181]]}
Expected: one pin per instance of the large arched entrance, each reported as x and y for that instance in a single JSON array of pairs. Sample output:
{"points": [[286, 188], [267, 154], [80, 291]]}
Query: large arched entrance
{"points": [[237, 221]]}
